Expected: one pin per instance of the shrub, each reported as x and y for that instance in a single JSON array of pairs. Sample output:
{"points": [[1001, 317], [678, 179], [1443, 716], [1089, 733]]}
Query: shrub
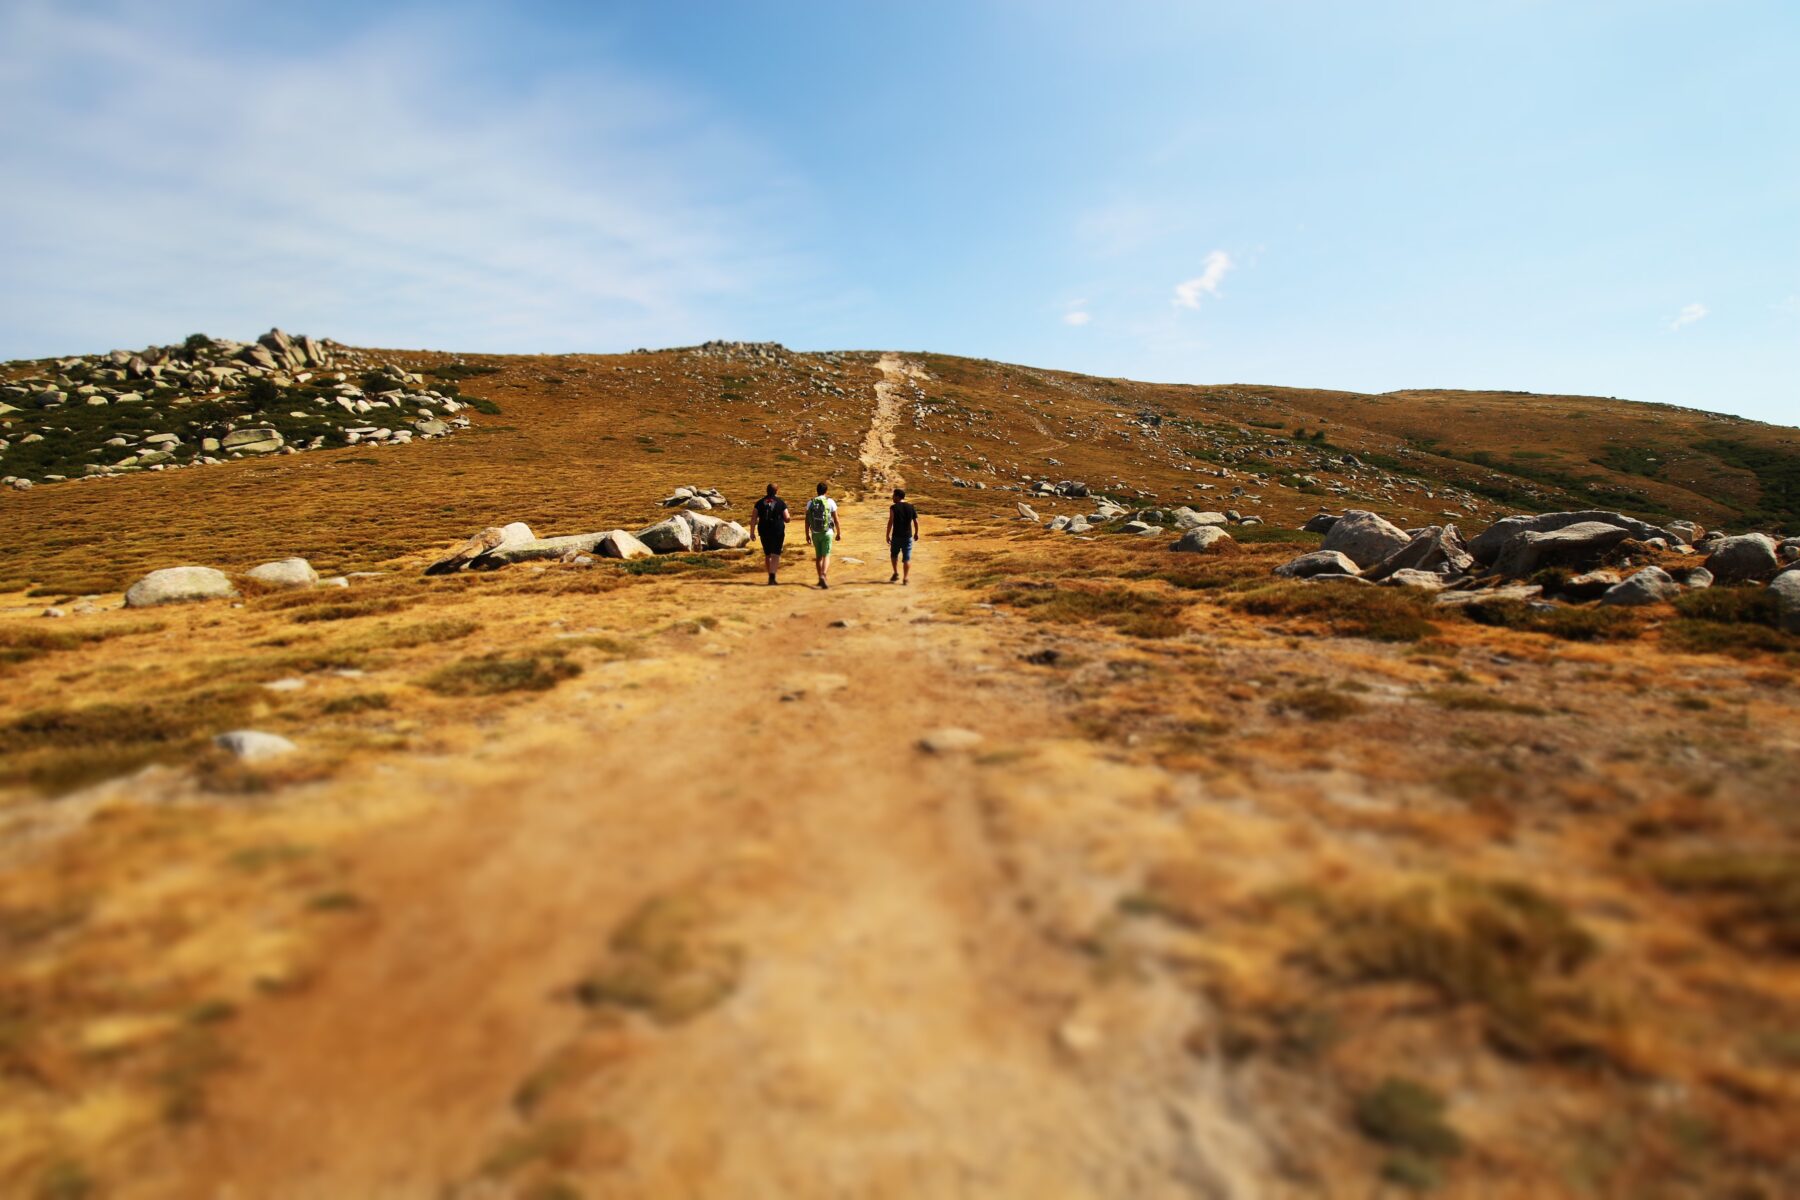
{"points": [[1468, 700], [358, 702], [1731, 606], [1476, 942], [494, 674], [1317, 704], [1407, 1115], [1348, 610], [1126, 609], [1257, 535], [24, 644], [676, 564], [1759, 891], [1569, 624], [1739, 621], [483, 406]]}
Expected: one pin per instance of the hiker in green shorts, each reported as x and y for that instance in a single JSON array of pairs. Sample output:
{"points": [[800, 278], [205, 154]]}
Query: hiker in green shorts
{"points": [[822, 527]]}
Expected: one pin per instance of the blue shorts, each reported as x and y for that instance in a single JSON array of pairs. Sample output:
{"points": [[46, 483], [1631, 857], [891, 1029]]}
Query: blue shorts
{"points": [[900, 549]]}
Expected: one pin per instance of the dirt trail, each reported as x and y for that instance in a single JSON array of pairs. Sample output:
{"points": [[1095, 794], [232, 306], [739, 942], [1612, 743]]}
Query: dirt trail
{"points": [[880, 458], [903, 1019]]}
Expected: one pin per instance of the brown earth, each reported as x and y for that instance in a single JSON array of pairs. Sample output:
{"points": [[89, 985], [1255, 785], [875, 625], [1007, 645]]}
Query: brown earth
{"points": [[593, 883]]}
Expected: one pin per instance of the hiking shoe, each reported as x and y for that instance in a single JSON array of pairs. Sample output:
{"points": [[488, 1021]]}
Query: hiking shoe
{"points": [[823, 584], [894, 578]]}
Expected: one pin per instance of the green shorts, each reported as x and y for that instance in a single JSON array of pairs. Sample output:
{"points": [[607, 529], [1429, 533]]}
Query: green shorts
{"points": [[822, 543]]}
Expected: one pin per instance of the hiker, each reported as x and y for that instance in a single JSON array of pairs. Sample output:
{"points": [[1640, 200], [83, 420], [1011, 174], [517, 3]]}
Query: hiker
{"points": [[822, 527], [770, 526], [902, 532]]}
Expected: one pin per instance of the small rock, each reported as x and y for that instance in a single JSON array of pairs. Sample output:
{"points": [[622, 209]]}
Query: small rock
{"points": [[177, 585], [284, 573], [950, 741], [1652, 585], [1744, 557], [1200, 539], [253, 745], [1319, 562]]}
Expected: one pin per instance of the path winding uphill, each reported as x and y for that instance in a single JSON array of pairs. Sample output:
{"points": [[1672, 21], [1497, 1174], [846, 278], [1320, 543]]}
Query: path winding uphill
{"points": [[817, 960], [880, 458]]}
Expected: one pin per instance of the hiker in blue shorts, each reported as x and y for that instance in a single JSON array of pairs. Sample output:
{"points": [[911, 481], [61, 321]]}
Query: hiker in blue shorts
{"points": [[902, 532]]}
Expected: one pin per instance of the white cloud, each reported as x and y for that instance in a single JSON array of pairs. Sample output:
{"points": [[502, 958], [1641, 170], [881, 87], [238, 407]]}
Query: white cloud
{"points": [[1188, 292], [1077, 317], [380, 186], [1688, 315]]}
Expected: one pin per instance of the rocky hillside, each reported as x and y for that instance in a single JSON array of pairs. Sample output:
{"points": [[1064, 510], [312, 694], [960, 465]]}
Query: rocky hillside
{"points": [[206, 401]]}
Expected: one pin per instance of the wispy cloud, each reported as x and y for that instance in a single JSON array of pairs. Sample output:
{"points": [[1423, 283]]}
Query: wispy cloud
{"points": [[1077, 316], [1688, 315], [377, 188], [1188, 292]]}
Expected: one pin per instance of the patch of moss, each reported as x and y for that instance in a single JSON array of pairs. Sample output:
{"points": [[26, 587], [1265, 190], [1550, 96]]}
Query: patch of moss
{"points": [[495, 674]]}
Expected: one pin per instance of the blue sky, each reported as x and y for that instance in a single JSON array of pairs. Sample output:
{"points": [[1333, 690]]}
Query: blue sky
{"points": [[1551, 196]]}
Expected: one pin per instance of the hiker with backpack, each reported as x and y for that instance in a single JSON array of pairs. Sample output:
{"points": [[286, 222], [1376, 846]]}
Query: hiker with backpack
{"points": [[902, 532], [822, 527], [770, 526]]}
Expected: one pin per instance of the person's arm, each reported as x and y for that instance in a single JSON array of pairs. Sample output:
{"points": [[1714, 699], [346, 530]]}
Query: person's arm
{"points": [[889, 535], [837, 531], [915, 524]]}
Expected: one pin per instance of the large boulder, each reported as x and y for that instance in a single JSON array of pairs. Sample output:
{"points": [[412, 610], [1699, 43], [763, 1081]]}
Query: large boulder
{"points": [[1579, 547], [1364, 537], [1788, 550], [1436, 548], [1201, 539], [1786, 590], [538, 549], [1187, 518], [284, 573], [178, 585], [673, 536], [728, 535], [1652, 585], [1487, 545], [258, 440], [1744, 557], [1319, 562], [619, 544]]}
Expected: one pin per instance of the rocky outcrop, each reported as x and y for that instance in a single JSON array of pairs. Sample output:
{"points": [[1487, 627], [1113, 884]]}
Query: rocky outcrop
{"points": [[179, 585], [619, 544], [1364, 537], [1438, 549], [480, 544], [1746, 557], [1488, 545], [1579, 547]]}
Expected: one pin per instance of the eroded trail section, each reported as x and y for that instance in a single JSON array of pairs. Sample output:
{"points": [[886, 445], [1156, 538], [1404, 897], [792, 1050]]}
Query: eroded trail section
{"points": [[880, 457], [772, 950]]}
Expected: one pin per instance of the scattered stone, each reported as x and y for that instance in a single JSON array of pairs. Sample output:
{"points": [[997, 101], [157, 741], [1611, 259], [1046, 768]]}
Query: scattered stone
{"points": [[1046, 657], [1200, 539], [290, 684], [950, 741], [619, 544], [285, 573], [53, 612], [252, 441], [1026, 512], [1590, 585], [1488, 545], [178, 585], [253, 745], [1437, 548], [1411, 577], [1652, 585], [1698, 577]]}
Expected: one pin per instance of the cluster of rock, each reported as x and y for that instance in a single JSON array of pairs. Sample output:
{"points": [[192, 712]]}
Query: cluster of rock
{"points": [[181, 585], [283, 394], [695, 499], [1363, 547], [690, 530], [753, 352], [1072, 489], [1200, 531]]}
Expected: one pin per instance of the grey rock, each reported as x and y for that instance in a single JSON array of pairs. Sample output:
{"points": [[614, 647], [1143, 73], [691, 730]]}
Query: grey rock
{"points": [[1488, 545], [1026, 512], [252, 441], [537, 550], [619, 544], [950, 741], [253, 745], [1411, 577], [1699, 577], [1786, 589], [1319, 562], [1437, 548], [178, 585], [673, 536], [1201, 539], [1788, 550], [1517, 591], [1687, 531], [285, 573], [1139, 527], [1742, 558], [1321, 523], [1365, 537], [1652, 585], [1590, 585], [1577, 546]]}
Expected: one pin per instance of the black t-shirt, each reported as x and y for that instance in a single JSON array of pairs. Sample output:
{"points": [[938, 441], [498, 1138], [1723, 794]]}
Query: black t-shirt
{"points": [[904, 515], [770, 511]]}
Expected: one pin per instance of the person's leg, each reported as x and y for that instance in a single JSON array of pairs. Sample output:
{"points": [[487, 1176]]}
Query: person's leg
{"points": [[894, 563], [906, 564]]}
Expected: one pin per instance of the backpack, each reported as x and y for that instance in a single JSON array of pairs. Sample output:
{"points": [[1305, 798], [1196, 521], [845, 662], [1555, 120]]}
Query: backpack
{"points": [[818, 515]]}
